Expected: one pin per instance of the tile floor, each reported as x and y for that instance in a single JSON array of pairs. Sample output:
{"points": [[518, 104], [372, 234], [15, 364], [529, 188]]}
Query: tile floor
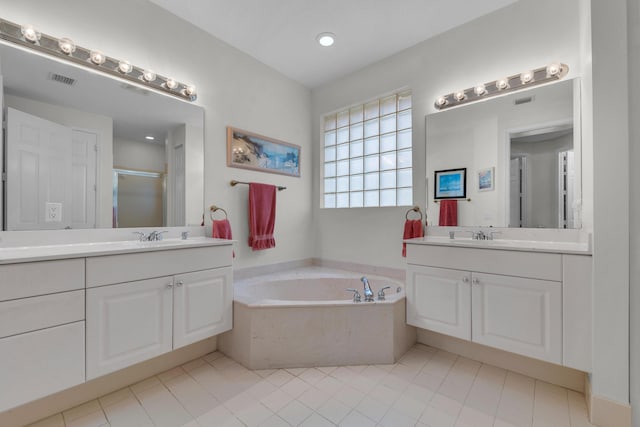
{"points": [[427, 387]]}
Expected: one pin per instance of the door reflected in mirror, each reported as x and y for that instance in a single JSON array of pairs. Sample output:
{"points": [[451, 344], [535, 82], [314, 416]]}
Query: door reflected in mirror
{"points": [[530, 139]]}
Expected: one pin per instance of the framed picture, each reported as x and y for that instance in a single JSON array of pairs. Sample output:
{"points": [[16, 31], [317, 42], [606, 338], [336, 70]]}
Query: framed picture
{"points": [[486, 179], [451, 184], [248, 150]]}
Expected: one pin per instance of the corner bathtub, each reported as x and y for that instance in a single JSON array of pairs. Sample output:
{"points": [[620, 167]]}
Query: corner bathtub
{"points": [[305, 317]]}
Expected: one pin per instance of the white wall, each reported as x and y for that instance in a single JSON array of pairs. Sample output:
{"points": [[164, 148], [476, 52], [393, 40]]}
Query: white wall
{"points": [[233, 88], [138, 155], [102, 125], [506, 42]]}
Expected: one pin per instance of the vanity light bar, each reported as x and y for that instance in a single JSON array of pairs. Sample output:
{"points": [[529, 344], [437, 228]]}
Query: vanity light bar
{"points": [[524, 80], [64, 48]]}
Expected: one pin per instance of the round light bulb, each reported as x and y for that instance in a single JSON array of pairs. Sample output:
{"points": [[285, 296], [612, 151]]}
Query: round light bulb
{"points": [[553, 69], [171, 84], [97, 57], [441, 101], [148, 76], [459, 95], [502, 84], [30, 33], [526, 77], [125, 67], [326, 39], [190, 90], [480, 90], [67, 46]]}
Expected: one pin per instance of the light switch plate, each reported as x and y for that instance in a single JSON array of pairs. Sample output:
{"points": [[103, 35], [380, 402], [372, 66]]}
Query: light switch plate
{"points": [[53, 212]]}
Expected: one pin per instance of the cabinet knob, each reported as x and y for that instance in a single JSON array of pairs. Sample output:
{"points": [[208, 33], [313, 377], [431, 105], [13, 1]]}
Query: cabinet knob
{"points": [[179, 283], [465, 279], [476, 280], [170, 285]]}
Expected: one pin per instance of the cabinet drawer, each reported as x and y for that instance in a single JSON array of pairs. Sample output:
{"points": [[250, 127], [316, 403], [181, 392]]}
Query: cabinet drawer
{"points": [[111, 269], [543, 266], [39, 278], [29, 314], [40, 363]]}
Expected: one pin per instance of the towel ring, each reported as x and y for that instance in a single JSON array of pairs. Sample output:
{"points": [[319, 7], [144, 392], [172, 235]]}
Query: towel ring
{"points": [[215, 208], [414, 209]]}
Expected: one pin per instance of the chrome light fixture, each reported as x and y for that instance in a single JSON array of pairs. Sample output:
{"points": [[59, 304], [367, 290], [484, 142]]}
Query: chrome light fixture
{"points": [[524, 80], [27, 36]]}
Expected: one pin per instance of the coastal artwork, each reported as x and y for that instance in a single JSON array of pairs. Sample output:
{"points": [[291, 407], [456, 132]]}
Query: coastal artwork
{"points": [[450, 184], [486, 180], [252, 151]]}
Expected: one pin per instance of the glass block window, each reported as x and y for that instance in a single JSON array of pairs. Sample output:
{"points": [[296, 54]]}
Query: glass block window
{"points": [[367, 154]]}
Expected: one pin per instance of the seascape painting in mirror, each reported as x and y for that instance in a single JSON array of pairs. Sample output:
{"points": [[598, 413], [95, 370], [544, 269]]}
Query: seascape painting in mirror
{"points": [[530, 140], [87, 150]]}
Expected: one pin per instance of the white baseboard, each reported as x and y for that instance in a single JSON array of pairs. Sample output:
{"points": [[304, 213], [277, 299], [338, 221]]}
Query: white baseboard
{"points": [[67, 399], [604, 412]]}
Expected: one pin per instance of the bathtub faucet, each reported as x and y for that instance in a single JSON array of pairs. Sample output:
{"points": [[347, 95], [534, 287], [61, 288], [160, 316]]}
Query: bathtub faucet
{"points": [[368, 293]]}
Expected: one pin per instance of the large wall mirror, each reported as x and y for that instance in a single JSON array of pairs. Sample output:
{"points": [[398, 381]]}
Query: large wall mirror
{"points": [[84, 150], [522, 155]]}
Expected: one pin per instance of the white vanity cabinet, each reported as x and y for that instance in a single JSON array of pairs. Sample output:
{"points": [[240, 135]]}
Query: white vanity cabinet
{"points": [[140, 315], [512, 300], [42, 329]]}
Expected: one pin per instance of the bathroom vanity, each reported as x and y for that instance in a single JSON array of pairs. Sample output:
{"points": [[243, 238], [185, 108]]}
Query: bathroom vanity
{"points": [[131, 300], [532, 298]]}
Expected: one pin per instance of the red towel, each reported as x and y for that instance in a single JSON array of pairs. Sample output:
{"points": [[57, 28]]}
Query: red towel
{"points": [[412, 228], [222, 230], [448, 212], [262, 216]]}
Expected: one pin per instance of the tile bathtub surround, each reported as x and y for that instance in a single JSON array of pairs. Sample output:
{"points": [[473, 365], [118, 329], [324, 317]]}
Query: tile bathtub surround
{"points": [[426, 388]]}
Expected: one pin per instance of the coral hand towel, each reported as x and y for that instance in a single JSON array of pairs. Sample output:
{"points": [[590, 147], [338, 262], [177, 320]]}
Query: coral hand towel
{"points": [[222, 230], [412, 228], [448, 213], [262, 216]]}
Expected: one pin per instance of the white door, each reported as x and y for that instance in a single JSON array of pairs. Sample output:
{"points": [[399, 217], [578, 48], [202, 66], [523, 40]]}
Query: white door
{"points": [[128, 323], [439, 299], [519, 315], [202, 305], [84, 150], [38, 187]]}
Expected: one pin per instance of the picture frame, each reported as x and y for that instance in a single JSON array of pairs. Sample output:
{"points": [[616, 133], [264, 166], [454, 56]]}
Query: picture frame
{"points": [[450, 184], [248, 150], [486, 179]]}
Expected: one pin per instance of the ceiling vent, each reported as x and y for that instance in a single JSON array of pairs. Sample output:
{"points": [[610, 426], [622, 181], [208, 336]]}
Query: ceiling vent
{"points": [[62, 79]]}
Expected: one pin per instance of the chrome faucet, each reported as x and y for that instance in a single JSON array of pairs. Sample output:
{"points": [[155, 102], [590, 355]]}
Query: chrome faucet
{"points": [[381, 295], [368, 293], [153, 236]]}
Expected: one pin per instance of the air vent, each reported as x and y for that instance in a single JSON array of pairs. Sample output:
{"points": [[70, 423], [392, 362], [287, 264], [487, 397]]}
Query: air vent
{"points": [[62, 79], [526, 100]]}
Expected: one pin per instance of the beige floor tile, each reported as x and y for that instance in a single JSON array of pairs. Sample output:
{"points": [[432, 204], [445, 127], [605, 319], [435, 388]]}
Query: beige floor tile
{"points": [[384, 393], [334, 410], [280, 378], [327, 369], [457, 385], [274, 421], [162, 407], [356, 419], [395, 418], [262, 389], [193, 397], [316, 420], [470, 417], [254, 415], [442, 411], [89, 414], [115, 397], [362, 383], [312, 376], [349, 396], [264, 373], [296, 371], [373, 408], [329, 384], [486, 390], [126, 413], [171, 373], [296, 387], [276, 400], [578, 410], [218, 417], [295, 413], [551, 406], [53, 421], [516, 401], [412, 408], [314, 398]]}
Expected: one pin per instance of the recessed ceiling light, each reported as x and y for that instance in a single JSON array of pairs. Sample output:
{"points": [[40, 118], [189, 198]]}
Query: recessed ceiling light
{"points": [[326, 39], [149, 137]]}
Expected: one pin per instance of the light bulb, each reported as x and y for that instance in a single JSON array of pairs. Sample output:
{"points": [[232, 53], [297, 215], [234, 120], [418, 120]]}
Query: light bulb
{"points": [[171, 84], [326, 39], [502, 84], [480, 90], [459, 95], [97, 57], [67, 46], [148, 76], [553, 69], [190, 90], [526, 77], [125, 67], [441, 101], [30, 33]]}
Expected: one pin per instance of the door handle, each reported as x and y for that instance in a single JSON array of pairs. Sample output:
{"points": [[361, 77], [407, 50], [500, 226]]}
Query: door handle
{"points": [[476, 281], [170, 286], [179, 283], [465, 279]]}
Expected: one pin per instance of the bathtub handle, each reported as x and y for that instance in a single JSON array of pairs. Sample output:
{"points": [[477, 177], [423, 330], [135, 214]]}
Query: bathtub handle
{"points": [[381, 296], [356, 294]]}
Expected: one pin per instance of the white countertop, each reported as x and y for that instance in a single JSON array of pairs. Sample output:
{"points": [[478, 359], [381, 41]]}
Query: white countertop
{"points": [[79, 250], [563, 247]]}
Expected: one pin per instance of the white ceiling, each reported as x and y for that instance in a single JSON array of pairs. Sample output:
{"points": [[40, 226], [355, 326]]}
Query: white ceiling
{"points": [[281, 33]]}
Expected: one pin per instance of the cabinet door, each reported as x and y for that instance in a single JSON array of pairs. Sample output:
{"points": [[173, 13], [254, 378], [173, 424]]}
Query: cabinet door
{"points": [[519, 315], [202, 305], [439, 299], [127, 323]]}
